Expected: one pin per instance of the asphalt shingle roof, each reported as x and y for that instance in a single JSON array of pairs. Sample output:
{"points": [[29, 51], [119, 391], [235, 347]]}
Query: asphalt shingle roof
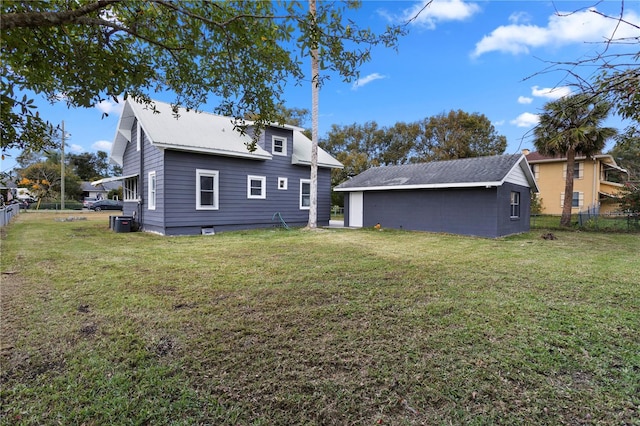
{"points": [[440, 173]]}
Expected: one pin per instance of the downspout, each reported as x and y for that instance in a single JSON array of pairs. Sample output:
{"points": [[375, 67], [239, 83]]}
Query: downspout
{"points": [[594, 194], [141, 180]]}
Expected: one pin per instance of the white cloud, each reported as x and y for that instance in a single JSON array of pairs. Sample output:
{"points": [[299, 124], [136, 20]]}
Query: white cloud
{"points": [[366, 80], [552, 93], [562, 29], [440, 11], [102, 146], [75, 148], [498, 123], [108, 106], [526, 119], [524, 100]]}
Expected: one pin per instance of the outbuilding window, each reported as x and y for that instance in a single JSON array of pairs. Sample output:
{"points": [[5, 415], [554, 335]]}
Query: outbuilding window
{"points": [[515, 205]]}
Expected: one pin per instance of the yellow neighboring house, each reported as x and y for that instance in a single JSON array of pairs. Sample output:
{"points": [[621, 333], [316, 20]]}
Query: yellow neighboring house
{"points": [[597, 181]]}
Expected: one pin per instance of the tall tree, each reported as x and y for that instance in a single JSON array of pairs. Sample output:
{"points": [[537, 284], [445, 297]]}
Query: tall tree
{"points": [[240, 52], [570, 126], [315, 91], [459, 134], [88, 165]]}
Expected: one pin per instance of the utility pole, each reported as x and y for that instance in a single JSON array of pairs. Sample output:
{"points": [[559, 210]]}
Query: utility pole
{"points": [[62, 170]]}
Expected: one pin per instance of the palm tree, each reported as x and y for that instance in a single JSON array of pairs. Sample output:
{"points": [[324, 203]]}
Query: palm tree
{"points": [[572, 126]]}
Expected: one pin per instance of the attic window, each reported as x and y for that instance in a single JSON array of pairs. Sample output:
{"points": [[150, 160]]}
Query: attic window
{"points": [[278, 145]]}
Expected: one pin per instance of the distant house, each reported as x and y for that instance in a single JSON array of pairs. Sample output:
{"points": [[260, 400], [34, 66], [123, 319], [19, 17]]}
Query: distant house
{"points": [[195, 174], [597, 181], [100, 190], [483, 196]]}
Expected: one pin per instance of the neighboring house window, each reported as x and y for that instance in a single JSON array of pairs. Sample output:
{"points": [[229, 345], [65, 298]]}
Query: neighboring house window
{"points": [[282, 183], [577, 200], [278, 145], [305, 194], [206, 189], [152, 191], [256, 187], [578, 170], [130, 189], [515, 204]]}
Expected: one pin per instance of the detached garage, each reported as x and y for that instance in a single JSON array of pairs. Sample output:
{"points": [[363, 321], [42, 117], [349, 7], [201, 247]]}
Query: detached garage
{"points": [[482, 196]]}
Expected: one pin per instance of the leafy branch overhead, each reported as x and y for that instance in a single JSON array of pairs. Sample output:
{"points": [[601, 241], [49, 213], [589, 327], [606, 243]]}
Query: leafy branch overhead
{"points": [[242, 53]]}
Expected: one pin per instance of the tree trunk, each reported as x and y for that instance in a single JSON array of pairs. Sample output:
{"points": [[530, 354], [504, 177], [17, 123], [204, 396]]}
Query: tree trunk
{"points": [[565, 220], [315, 81]]}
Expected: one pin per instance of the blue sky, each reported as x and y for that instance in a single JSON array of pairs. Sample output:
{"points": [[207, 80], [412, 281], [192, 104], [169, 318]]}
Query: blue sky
{"points": [[487, 57]]}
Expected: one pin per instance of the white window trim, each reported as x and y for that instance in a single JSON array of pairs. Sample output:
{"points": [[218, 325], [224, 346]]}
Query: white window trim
{"points": [[273, 145], [512, 204], [153, 189], [210, 173], [263, 187], [303, 181], [285, 183], [580, 199], [138, 136], [128, 193]]}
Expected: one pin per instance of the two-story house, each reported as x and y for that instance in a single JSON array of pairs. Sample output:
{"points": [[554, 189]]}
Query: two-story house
{"points": [[597, 181], [194, 174]]}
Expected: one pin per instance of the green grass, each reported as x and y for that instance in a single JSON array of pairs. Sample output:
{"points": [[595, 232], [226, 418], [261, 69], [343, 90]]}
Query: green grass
{"points": [[330, 327]]}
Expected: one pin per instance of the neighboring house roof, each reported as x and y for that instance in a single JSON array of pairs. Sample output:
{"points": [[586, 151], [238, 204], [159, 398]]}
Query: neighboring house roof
{"points": [[466, 172], [608, 160], [203, 133]]}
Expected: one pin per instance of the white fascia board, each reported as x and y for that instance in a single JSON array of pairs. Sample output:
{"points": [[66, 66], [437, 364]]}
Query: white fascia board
{"points": [[212, 151], [428, 186], [112, 179]]}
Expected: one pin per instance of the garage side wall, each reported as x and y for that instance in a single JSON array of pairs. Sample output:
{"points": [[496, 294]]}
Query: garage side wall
{"points": [[466, 211], [508, 225]]}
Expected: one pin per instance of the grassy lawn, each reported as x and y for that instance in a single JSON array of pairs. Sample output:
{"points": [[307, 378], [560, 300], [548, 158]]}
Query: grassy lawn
{"points": [[334, 327]]}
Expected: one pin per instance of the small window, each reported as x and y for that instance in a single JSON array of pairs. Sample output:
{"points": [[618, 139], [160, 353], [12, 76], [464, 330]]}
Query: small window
{"points": [[577, 199], [138, 136], [515, 205], [305, 194], [279, 145], [130, 189], [152, 191], [206, 189], [256, 187], [282, 183]]}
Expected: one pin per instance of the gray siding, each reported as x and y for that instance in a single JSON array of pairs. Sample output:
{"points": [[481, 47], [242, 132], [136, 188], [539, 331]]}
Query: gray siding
{"points": [[235, 210], [483, 212]]}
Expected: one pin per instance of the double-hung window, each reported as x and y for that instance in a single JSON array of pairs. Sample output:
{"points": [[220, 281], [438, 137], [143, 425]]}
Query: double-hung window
{"points": [[152, 191], [256, 187], [206, 189], [515, 205], [305, 194]]}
